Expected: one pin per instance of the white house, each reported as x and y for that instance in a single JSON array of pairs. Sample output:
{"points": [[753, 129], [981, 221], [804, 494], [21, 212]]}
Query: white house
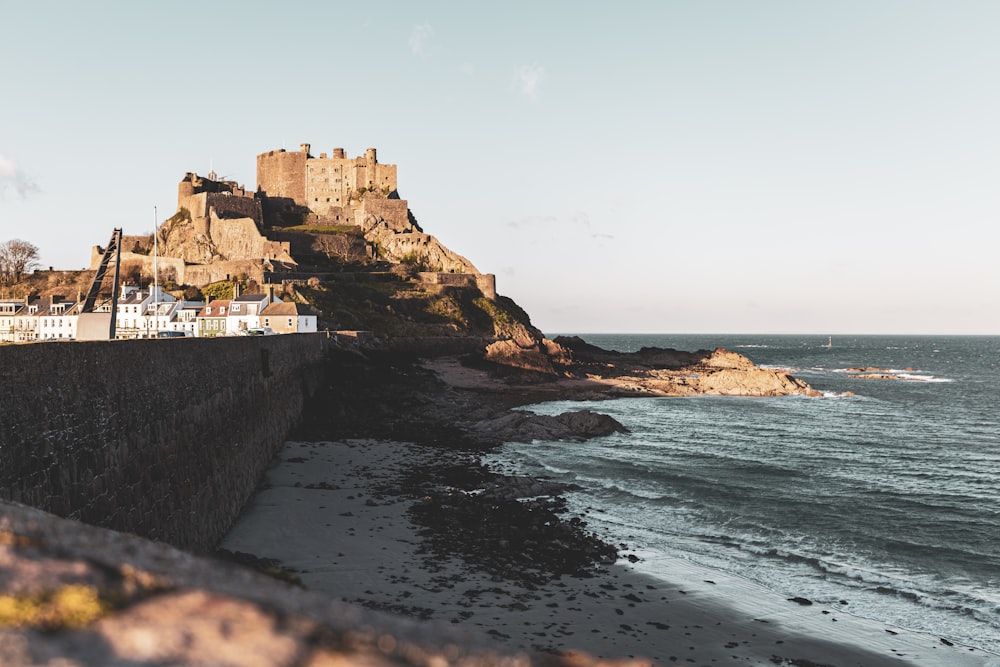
{"points": [[143, 313], [26, 321], [57, 319], [9, 309], [185, 318], [245, 311]]}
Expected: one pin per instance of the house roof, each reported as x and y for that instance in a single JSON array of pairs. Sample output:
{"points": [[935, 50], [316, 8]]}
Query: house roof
{"points": [[286, 309], [213, 307], [45, 306], [250, 298]]}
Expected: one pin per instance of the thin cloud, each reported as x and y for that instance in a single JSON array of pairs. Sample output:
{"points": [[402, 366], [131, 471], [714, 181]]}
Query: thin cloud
{"points": [[580, 218], [531, 221], [419, 37], [12, 178], [528, 80]]}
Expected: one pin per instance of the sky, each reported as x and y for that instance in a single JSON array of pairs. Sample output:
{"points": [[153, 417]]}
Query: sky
{"points": [[709, 166]]}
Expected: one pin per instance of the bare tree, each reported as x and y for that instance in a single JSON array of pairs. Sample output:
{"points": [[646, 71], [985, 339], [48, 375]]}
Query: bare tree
{"points": [[17, 258], [336, 247]]}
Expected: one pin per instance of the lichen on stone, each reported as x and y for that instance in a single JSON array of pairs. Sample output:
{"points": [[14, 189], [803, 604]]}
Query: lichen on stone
{"points": [[71, 606]]}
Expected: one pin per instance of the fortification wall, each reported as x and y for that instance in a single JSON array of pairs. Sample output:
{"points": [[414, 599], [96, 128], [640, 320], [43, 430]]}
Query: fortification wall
{"points": [[198, 275], [282, 175], [165, 439], [228, 205]]}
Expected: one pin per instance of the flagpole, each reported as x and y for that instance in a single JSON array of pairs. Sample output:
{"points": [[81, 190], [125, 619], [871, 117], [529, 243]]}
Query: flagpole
{"points": [[156, 273]]}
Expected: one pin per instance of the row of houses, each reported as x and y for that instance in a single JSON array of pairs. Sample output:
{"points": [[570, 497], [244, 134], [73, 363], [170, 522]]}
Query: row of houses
{"points": [[153, 313]]}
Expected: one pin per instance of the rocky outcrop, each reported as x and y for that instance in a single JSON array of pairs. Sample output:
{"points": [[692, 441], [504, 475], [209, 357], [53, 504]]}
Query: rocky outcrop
{"points": [[650, 371], [522, 354], [420, 249]]}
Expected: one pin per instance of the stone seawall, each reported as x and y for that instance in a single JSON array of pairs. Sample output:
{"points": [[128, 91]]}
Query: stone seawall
{"points": [[166, 439]]}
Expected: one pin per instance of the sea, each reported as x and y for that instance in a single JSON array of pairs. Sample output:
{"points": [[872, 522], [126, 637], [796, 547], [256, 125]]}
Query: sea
{"points": [[881, 498]]}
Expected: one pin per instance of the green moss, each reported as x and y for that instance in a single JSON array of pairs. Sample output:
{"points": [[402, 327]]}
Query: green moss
{"points": [[449, 309], [352, 230]]}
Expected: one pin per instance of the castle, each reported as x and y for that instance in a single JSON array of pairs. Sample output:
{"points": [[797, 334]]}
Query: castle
{"points": [[324, 185], [222, 230]]}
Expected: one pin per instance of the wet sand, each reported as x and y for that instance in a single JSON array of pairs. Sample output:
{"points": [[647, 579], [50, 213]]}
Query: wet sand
{"points": [[339, 515]]}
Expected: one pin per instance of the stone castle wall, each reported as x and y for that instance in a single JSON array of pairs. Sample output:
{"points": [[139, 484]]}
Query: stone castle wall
{"points": [[484, 282], [164, 439], [323, 184], [231, 206], [281, 175], [198, 275]]}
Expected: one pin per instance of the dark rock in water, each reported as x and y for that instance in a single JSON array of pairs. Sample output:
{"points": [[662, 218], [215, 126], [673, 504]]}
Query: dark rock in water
{"points": [[525, 426], [514, 487], [802, 601]]}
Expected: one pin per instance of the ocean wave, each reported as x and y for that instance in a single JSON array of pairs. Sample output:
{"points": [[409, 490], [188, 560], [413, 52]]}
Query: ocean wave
{"points": [[606, 485], [906, 374]]}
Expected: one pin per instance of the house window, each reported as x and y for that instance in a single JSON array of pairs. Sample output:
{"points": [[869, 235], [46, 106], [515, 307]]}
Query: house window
{"points": [[235, 308], [290, 322]]}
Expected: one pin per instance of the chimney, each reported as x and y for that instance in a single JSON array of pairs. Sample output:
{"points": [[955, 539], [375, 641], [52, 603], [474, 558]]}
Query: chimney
{"points": [[236, 288], [270, 293], [304, 148]]}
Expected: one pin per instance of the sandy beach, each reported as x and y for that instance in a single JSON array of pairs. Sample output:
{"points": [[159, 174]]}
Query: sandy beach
{"points": [[340, 516]]}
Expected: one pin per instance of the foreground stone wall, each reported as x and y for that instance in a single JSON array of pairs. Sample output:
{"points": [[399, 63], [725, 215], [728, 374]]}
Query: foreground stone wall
{"points": [[163, 438]]}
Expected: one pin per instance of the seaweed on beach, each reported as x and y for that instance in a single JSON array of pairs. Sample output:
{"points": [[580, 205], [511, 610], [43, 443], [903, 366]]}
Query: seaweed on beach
{"points": [[523, 540]]}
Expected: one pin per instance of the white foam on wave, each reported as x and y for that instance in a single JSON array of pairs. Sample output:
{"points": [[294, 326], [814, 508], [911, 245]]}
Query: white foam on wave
{"points": [[906, 375], [915, 377]]}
